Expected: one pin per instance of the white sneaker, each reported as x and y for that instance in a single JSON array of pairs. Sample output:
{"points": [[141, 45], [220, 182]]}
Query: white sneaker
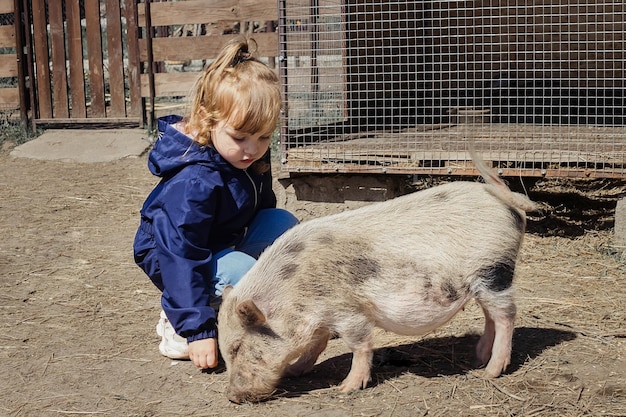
{"points": [[172, 345]]}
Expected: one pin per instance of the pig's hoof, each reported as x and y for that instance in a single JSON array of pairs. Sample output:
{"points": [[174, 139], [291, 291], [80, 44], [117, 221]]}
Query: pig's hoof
{"points": [[354, 384], [494, 370], [491, 374]]}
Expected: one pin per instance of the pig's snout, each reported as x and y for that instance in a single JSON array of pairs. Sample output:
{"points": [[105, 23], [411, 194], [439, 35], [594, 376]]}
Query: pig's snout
{"points": [[239, 397], [251, 385]]}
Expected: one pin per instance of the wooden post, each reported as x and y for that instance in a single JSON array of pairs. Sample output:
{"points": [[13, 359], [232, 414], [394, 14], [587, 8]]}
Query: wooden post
{"points": [[151, 113], [134, 85], [21, 65], [75, 56], [44, 96], [96, 65]]}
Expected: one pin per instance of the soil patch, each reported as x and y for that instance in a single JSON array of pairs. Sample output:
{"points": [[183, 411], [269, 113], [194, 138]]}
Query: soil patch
{"points": [[79, 316]]}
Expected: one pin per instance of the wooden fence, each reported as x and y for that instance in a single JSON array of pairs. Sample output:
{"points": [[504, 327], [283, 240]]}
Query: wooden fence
{"points": [[109, 61], [79, 71], [195, 30], [11, 95]]}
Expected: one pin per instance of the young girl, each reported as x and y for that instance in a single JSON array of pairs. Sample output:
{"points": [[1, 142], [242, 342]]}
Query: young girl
{"points": [[213, 212]]}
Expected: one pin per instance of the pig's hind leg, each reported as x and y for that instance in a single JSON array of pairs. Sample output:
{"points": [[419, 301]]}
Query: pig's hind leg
{"points": [[494, 346], [485, 344]]}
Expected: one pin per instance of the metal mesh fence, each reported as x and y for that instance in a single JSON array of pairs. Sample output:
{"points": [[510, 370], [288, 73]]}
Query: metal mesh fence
{"points": [[537, 87], [6, 19]]}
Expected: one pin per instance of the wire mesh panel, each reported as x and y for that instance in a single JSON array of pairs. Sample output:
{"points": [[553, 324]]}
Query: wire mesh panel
{"points": [[537, 87]]}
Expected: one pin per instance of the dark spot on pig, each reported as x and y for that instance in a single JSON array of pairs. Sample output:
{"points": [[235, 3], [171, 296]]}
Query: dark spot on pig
{"points": [[440, 195], [294, 247], [499, 276], [428, 284], [325, 239], [324, 291], [234, 348], [362, 268], [288, 271], [316, 288], [256, 354], [449, 291]]}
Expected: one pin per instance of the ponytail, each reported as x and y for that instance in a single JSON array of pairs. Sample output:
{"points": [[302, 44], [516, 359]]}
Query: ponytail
{"points": [[238, 88]]}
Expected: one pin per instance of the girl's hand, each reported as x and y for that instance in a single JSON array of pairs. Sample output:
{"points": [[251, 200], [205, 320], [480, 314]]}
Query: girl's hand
{"points": [[203, 353]]}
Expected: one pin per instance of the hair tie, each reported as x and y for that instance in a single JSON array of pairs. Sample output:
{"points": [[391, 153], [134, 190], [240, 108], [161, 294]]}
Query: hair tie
{"points": [[242, 56]]}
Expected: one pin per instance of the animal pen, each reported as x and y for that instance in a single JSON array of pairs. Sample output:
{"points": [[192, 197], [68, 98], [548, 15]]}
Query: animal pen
{"points": [[379, 86], [370, 86]]}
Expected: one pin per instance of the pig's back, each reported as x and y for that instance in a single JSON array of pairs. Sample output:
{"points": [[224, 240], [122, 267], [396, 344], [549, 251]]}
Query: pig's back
{"points": [[435, 216], [391, 253]]}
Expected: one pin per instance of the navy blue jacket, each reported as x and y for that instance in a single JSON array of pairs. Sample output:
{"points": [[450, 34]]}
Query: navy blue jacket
{"points": [[201, 205]]}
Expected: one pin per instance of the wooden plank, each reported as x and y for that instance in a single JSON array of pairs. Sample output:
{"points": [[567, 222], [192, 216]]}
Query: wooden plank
{"points": [[519, 148], [44, 94], [454, 159], [105, 122], [203, 47], [287, 169], [7, 36], [59, 71], [9, 97], [177, 83], [96, 66], [7, 6], [8, 65], [169, 83], [75, 57], [209, 11], [116, 63], [132, 35]]}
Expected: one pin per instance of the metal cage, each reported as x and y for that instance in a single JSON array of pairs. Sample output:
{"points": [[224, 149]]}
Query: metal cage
{"points": [[379, 86]]}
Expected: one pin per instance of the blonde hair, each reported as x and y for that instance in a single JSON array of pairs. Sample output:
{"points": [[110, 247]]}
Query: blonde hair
{"points": [[236, 88]]}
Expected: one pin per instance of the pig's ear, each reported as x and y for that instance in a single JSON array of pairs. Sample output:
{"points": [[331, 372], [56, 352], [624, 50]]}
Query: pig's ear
{"points": [[226, 291], [249, 314]]}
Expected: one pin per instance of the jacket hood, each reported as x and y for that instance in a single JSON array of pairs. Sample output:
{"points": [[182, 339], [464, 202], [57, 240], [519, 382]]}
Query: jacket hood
{"points": [[171, 155]]}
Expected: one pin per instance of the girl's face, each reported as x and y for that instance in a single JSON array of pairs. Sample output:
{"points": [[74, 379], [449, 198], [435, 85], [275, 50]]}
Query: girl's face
{"points": [[239, 148]]}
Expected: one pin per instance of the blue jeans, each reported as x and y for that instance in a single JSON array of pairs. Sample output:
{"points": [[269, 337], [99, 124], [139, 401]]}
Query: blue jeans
{"points": [[230, 265]]}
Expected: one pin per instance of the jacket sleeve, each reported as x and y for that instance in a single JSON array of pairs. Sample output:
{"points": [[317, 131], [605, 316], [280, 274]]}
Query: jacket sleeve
{"points": [[181, 231]]}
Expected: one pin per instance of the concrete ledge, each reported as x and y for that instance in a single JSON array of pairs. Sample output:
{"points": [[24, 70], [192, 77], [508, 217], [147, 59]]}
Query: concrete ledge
{"points": [[85, 145]]}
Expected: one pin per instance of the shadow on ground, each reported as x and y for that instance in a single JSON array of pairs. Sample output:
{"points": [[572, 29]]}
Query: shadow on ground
{"points": [[430, 358]]}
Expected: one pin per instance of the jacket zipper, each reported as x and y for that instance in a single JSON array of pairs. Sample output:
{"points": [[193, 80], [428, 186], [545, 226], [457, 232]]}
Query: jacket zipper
{"points": [[256, 195]]}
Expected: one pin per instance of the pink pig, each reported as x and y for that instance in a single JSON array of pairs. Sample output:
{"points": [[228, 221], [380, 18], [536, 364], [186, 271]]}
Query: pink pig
{"points": [[406, 265]]}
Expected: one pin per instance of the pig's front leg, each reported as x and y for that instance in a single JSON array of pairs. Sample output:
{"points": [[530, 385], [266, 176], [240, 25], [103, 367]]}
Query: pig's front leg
{"points": [[307, 360], [359, 374]]}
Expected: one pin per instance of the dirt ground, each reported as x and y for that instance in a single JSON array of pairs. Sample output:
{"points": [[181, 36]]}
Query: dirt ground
{"points": [[78, 316]]}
